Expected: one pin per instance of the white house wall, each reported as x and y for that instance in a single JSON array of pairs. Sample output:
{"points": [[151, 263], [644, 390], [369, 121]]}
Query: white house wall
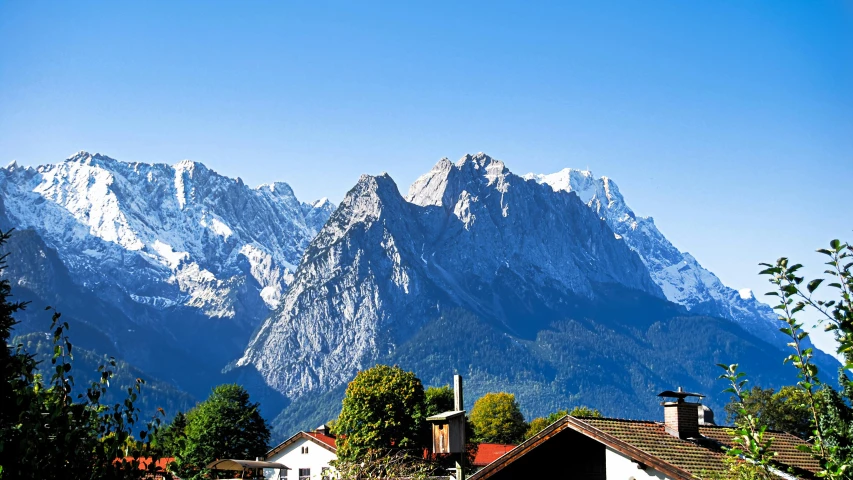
{"points": [[620, 467], [292, 457]]}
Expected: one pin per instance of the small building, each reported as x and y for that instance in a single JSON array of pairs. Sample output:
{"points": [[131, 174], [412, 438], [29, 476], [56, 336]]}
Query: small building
{"points": [[308, 454], [686, 446]]}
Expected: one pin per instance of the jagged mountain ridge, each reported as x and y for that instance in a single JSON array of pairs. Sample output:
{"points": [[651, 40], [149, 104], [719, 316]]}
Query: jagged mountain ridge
{"points": [[519, 286], [168, 267], [683, 280], [167, 235], [384, 265], [519, 257]]}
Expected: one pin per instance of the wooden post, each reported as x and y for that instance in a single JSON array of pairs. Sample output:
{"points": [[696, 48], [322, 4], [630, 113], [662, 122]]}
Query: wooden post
{"points": [[459, 406], [457, 393]]}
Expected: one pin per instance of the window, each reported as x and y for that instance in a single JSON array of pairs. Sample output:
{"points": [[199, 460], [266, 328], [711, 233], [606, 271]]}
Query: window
{"points": [[326, 473], [304, 474], [304, 450]]}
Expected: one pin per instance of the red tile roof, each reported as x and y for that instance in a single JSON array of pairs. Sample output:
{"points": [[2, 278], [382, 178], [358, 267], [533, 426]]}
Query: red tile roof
{"points": [[325, 441], [144, 462], [489, 452], [328, 440]]}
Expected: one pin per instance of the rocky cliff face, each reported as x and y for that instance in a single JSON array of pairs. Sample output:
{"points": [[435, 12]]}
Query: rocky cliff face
{"points": [[469, 235]]}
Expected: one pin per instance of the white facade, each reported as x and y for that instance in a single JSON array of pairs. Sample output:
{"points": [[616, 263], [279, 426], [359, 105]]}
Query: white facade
{"points": [[620, 467], [306, 456]]}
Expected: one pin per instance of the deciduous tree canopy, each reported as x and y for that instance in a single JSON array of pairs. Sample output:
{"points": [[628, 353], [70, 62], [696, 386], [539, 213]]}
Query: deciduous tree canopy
{"points": [[537, 424], [496, 418], [438, 400], [226, 425], [383, 407]]}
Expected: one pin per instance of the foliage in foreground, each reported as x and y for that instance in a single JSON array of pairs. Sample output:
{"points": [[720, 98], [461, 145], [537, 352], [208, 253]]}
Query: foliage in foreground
{"points": [[45, 429], [828, 410], [386, 463]]}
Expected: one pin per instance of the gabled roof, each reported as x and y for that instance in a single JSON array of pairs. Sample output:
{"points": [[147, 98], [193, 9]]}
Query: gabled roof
{"points": [[325, 441], [647, 443]]}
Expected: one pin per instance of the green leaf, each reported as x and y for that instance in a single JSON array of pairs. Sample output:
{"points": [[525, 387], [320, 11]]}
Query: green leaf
{"points": [[812, 286]]}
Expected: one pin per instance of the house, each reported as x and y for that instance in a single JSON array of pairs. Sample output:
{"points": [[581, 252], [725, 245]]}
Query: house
{"points": [[307, 454], [686, 445]]}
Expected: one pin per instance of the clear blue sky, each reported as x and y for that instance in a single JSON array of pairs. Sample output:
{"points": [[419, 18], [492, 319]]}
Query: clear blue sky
{"points": [[725, 120]]}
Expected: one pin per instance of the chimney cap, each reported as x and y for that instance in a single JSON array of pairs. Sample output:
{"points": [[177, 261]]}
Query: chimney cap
{"points": [[680, 394]]}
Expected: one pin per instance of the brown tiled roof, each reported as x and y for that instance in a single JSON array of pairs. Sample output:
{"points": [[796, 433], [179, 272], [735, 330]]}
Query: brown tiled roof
{"points": [[701, 458], [784, 444], [648, 443], [651, 438]]}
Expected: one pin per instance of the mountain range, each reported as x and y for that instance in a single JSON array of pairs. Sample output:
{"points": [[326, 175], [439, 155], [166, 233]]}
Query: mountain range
{"points": [[548, 286]]}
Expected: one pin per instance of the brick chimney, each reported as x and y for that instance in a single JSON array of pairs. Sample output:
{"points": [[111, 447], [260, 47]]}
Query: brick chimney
{"points": [[680, 417]]}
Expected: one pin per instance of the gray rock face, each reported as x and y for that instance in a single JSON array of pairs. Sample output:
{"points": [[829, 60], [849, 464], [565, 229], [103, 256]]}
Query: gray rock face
{"points": [[683, 280], [470, 235], [166, 236]]}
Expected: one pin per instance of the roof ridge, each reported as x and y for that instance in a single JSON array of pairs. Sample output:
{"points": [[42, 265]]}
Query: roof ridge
{"points": [[626, 420]]}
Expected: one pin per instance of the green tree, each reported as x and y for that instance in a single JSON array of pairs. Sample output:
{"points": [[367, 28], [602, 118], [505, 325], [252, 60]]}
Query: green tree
{"points": [[585, 412], [496, 418], [538, 424], [383, 408], [438, 400], [226, 425], [170, 440], [836, 421], [784, 410], [16, 372]]}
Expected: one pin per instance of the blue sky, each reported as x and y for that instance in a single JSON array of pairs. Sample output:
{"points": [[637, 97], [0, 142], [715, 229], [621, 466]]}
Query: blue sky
{"points": [[729, 122]]}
